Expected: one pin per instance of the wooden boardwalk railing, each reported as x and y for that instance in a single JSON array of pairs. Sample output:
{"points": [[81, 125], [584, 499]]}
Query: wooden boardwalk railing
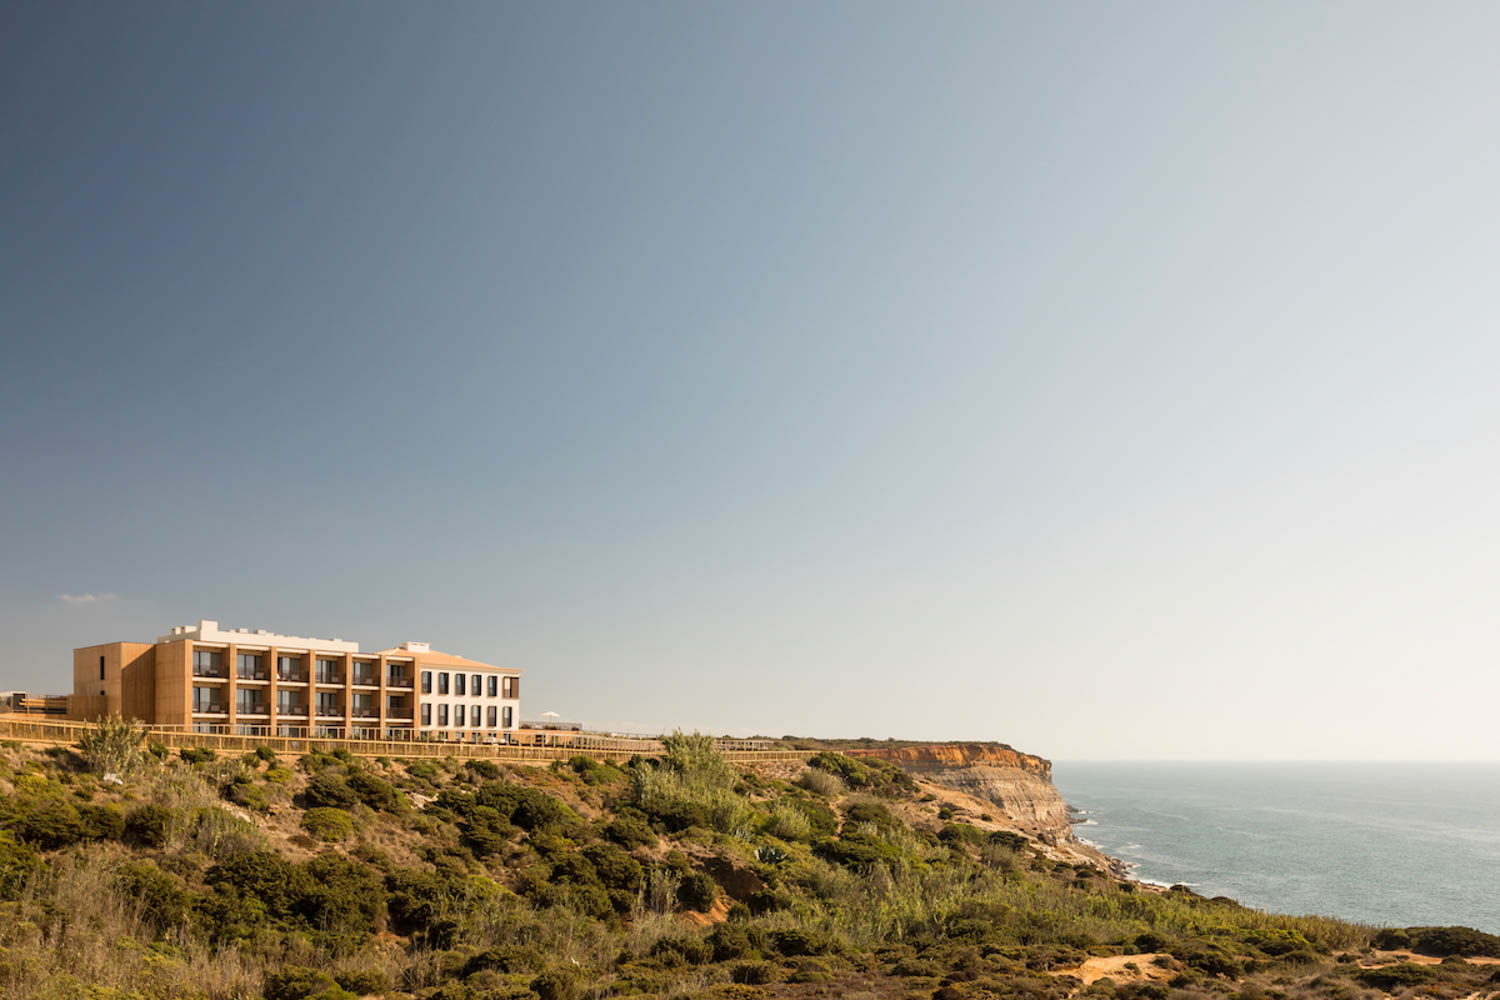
{"points": [[560, 745]]}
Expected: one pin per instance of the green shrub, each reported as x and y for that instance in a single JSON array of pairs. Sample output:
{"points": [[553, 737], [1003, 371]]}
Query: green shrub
{"points": [[149, 825], [364, 982], [630, 831], [682, 949], [795, 941], [328, 824], [787, 822], [250, 796], [753, 973], [556, 984], [113, 746], [278, 775], [331, 790], [297, 982], [821, 782], [18, 863], [510, 958], [266, 754], [197, 755], [101, 822], [375, 792], [161, 900], [730, 941], [49, 823], [1444, 941], [697, 891], [1397, 977]]}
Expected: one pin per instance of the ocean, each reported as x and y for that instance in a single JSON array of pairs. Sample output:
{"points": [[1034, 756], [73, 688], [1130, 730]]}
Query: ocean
{"points": [[1384, 843]]}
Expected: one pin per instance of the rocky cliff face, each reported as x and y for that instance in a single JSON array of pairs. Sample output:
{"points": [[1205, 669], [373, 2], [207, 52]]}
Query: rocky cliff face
{"points": [[1018, 785]]}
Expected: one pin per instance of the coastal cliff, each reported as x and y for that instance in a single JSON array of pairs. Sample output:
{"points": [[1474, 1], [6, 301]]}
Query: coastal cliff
{"points": [[1018, 785]]}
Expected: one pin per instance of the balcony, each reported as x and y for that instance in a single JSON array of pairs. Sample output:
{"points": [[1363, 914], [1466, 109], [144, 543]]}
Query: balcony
{"points": [[291, 676], [366, 678], [330, 711], [399, 680], [210, 708], [253, 675], [330, 678], [212, 673], [292, 711]]}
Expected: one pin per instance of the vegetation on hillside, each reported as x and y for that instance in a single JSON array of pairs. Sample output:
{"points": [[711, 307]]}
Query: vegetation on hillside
{"points": [[329, 877]]}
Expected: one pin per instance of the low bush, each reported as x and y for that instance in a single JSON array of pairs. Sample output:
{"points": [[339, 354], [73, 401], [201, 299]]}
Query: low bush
{"points": [[330, 789], [1397, 977], [296, 982], [1443, 941], [697, 891], [328, 824], [197, 755], [821, 782], [556, 984]]}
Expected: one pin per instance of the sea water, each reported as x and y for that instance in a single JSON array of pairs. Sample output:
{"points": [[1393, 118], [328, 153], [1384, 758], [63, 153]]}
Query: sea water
{"points": [[1384, 843]]}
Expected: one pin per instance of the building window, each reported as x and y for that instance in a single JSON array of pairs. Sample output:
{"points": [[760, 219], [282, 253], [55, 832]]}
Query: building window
{"points": [[427, 682], [328, 703], [289, 668], [290, 703], [507, 718], [442, 709], [251, 667], [363, 706], [328, 671], [491, 716], [510, 687], [208, 663], [474, 685], [207, 699], [249, 702], [442, 683], [101, 668], [426, 715], [494, 685], [458, 683], [474, 716], [366, 673]]}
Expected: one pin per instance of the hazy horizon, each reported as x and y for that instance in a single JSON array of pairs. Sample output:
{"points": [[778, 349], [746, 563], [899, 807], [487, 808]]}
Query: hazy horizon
{"points": [[1112, 382]]}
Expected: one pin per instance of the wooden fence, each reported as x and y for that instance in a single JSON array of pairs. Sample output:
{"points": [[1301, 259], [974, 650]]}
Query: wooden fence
{"points": [[560, 745]]}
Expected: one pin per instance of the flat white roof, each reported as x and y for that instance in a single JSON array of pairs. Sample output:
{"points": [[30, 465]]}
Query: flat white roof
{"points": [[209, 631]]}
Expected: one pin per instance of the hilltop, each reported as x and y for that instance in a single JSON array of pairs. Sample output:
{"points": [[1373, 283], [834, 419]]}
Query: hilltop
{"points": [[331, 877]]}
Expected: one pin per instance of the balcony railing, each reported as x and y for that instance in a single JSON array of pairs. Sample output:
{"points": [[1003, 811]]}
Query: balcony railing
{"points": [[330, 711], [210, 708], [216, 672], [292, 676], [297, 710], [253, 675], [399, 681]]}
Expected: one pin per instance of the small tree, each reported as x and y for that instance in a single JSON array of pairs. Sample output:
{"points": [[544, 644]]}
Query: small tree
{"points": [[113, 746]]}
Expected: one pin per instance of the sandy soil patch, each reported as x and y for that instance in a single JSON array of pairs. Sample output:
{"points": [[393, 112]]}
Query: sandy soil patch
{"points": [[1121, 968], [1392, 957]]}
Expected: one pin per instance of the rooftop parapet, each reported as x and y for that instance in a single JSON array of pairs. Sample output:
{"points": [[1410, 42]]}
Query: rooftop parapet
{"points": [[209, 631]]}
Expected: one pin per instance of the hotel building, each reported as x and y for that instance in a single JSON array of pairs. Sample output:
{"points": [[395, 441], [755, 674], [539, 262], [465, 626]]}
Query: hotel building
{"points": [[257, 683]]}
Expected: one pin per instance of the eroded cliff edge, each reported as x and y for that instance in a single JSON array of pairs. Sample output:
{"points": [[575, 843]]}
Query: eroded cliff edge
{"points": [[1012, 788]]}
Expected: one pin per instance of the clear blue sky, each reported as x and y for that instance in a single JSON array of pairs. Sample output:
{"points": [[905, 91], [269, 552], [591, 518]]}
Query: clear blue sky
{"points": [[1113, 380]]}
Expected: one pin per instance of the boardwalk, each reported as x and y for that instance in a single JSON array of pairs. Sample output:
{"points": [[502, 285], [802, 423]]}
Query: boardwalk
{"points": [[540, 745]]}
